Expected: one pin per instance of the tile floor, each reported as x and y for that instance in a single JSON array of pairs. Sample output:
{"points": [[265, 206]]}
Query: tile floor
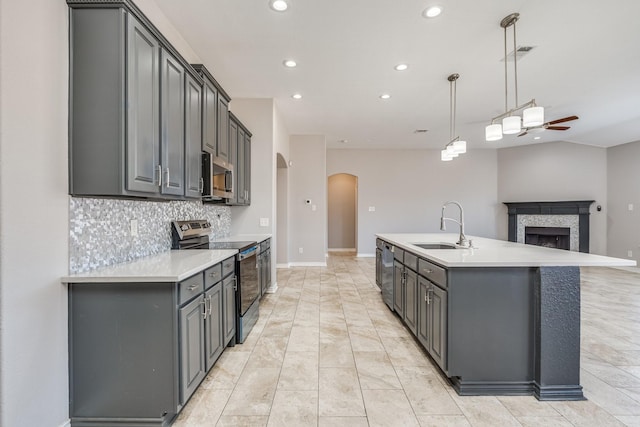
{"points": [[327, 352]]}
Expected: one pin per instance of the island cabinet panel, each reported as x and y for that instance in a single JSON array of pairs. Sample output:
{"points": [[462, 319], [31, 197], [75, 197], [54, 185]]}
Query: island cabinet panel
{"points": [[410, 300], [398, 288], [437, 313]]}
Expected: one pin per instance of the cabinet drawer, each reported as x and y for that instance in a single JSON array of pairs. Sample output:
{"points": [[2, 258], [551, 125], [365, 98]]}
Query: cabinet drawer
{"points": [[435, 273], [398, 254], [228, 266], [411, 261], [190, 287], [212, 275]]}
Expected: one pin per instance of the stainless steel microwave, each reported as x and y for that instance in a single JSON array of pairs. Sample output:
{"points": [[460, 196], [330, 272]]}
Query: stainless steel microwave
{"points": [[217, 175]]}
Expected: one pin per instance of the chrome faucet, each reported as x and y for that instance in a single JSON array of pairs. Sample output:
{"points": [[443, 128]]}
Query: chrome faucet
{"points": [[463, 239]]}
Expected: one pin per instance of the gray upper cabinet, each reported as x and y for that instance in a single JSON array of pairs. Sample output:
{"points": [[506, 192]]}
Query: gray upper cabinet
{"points": [[143, 143], [247, 168], [172, 119], [210, 118], [223, 128], [233, 157], [193, 137], [127, 106]]}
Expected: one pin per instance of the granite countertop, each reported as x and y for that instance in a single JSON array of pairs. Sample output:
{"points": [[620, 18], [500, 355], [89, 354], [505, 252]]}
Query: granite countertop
{"points": [[171, 266], [496, 253], [243, 238]]}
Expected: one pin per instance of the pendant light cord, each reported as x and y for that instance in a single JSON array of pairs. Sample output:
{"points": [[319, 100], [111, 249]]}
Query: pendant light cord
{"points": [[515, 64], [506, 100]]}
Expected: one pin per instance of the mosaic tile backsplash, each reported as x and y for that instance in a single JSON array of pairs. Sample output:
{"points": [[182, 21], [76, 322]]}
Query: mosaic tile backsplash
{"points": [[100, 229]]}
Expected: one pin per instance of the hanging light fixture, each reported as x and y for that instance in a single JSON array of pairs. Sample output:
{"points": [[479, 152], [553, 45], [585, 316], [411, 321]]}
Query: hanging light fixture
{"points": [[456, 146], [532, 115]]}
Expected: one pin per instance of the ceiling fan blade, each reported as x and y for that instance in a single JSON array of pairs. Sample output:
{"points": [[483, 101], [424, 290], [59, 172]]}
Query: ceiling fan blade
{"points": [[523, 133], [562, 120], [558, 127]]}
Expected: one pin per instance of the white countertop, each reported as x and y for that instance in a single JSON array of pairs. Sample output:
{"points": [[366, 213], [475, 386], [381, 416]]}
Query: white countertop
{"points": [[244, 238], [497, 253], [170, 266]]}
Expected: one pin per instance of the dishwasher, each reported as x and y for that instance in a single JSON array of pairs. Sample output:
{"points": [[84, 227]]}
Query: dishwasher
{"points": [[387, 274]]}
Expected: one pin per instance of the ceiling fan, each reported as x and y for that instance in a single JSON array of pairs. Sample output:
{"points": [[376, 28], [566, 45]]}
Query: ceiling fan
{"points": [[550, 125]]}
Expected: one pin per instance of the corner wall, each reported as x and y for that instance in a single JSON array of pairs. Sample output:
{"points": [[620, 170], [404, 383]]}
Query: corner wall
{"points": [[34, 218], [623, 187], [552, 172], [308, 181]]}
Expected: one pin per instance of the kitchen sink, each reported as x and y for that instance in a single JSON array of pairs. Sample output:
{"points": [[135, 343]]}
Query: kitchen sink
{"points": [[434, 245]]}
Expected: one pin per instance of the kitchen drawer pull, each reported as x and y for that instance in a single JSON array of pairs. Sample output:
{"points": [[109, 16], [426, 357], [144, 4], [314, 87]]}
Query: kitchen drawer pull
{"points": [[210, 304], [201, 186], [167, 183], [192, 287], [212, 274], [427, 270], [159, 167], [204, 313]]}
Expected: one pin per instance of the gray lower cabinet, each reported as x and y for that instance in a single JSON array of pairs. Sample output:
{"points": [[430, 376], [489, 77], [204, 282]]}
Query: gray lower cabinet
{"points": [[379, 268], [127, 106], [398, 287], [192, 355], [432, 320], [410, 300], [138, 351], [264, 266]]}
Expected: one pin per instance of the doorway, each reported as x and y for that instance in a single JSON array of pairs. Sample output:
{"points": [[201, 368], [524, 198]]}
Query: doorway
{"points": [[342, 191]]}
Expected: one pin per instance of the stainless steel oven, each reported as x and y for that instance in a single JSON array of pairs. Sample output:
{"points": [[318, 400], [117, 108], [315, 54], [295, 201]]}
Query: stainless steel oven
{"points": [[194, 234]]}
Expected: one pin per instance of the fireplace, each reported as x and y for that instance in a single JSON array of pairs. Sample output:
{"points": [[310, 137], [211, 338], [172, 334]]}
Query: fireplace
{"points": [[563, 225], [549, 237]]}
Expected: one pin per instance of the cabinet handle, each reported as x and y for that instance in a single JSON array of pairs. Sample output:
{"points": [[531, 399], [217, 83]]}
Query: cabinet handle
{"points": [[201, 186], [429, 292], [204, 313], [192, 287], [427, 270], [235, 283], [167, 183], [210, 304], [159, 167]]}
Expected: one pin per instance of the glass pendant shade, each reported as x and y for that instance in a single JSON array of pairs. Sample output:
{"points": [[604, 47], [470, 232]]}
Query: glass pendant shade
{"points": [[460, 146], [533, 116], [511, 125], [444, 156], [493, 132]]}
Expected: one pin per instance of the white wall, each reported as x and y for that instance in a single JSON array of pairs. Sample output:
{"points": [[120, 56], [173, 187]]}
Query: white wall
{"points": [[308, 180], [34, 205], [408, 187], [341, 205], [623, 188], [554, 172]]}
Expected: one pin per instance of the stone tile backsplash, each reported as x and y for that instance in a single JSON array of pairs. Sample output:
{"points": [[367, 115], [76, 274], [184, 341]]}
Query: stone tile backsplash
{"points": [[100, 229]]}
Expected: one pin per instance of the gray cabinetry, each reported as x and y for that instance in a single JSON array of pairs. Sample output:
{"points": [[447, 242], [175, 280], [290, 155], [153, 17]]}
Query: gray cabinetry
{"points": [[193, 137], [127, 105], [398, 287], [405, 287], [264, 266], [233, 157], [192, 356], [209, 117], [213, 324], [229, 308], [247, 168], [432, 320], [410, 299], [222, 149]]}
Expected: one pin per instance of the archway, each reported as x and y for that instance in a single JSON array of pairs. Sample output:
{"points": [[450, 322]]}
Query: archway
{"points": [[342, 192]]}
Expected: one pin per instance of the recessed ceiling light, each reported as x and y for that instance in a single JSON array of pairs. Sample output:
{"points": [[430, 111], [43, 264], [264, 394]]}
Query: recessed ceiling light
{"points": [[385, 96], [296, 96], [278, 5], [401, 67], [290, 63], [432, 11]]}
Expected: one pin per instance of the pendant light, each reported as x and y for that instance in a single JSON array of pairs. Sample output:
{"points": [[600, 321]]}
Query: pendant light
{"points": [[456, 146], [532, 115]]}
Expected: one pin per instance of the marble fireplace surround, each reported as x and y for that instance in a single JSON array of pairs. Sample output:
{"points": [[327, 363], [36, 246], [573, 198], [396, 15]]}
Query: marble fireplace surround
{"points": [[571, 214]]}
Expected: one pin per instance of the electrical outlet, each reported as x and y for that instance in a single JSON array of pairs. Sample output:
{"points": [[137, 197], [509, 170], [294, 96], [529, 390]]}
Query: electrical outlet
{"points": [[134, 227], [630, 254], [372, 208], [264, 222], [300, 250]]}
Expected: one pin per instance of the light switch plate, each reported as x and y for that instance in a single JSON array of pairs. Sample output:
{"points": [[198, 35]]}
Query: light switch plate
{"points": [[372, 208], [264, 222]]}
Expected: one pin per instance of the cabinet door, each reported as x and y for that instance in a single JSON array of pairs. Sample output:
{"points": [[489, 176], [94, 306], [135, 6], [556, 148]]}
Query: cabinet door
{"points": [[233, 159], [222, 148], [209, 118], [438, 319], [172, 124], [192, 363], [423, 313], [379, 268], [267, 262], [398, 288], [229, 308], [143, 112], [410, 300], [247, 170], [213, 325], [193, 138]]}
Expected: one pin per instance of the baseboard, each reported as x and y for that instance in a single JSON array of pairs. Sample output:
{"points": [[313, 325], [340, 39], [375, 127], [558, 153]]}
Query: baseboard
{"points": [[307, 264], [341, 249], [287, 265], [272, 289], [361, 255]]}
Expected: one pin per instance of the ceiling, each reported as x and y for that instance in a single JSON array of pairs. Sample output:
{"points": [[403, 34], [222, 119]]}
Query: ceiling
{"points": [[586, 62]]}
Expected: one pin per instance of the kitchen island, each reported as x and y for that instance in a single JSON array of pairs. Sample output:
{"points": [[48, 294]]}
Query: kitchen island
{"points": [[500, 318]]}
